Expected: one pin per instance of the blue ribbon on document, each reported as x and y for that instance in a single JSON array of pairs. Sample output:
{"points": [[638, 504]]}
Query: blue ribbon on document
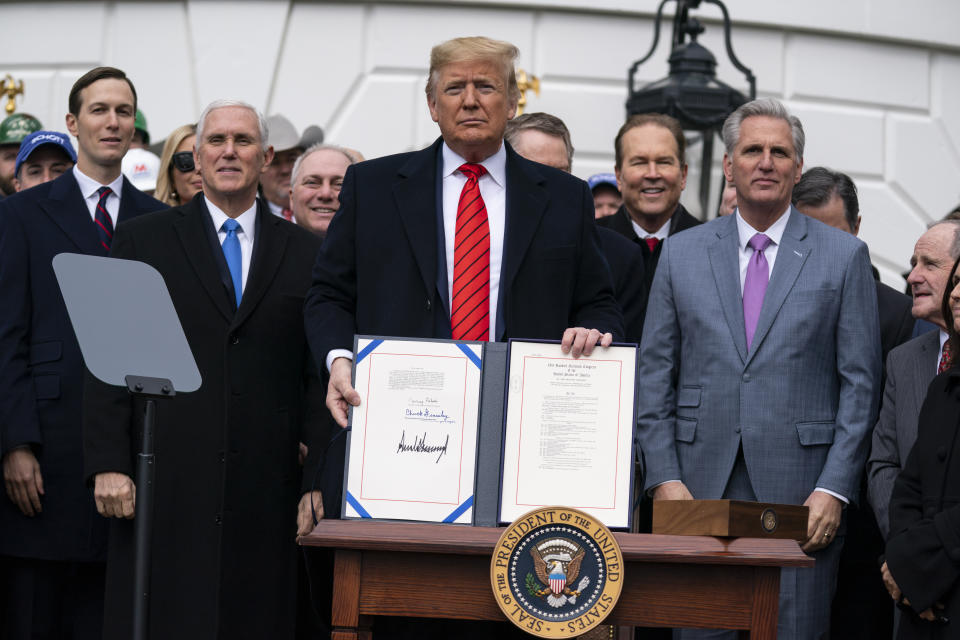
{"points": [[474, 358], [367, 349], [459, 510], [353, 502]]}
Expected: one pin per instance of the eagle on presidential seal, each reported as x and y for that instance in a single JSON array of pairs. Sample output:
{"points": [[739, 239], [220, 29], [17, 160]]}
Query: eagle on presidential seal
{"points": [[557, 565]]}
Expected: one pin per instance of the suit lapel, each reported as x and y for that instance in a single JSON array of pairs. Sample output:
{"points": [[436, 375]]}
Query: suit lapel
{"points": [[622, 224], [129, 198], [268, 248], [791, 255], [725, 264], [66, 207], [193, 237], [525, 205], [925, 366], [415, 193]]}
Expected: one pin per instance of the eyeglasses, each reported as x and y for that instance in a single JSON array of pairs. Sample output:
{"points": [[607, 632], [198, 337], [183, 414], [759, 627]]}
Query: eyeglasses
{"points": [[183, 161]]}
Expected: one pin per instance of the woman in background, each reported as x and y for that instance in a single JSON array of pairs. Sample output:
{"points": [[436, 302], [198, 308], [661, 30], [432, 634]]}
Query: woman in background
{"points": [[179, 178], [922, 565]]}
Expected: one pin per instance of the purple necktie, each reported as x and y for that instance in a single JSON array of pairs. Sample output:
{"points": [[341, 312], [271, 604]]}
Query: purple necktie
{"points": [[755, 284]]}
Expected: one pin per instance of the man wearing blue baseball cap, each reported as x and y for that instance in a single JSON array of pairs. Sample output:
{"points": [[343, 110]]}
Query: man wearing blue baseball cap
{"points": [[43, 156], [606, 194]]}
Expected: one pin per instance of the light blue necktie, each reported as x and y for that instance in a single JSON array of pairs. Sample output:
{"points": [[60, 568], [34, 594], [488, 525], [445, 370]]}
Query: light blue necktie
{"points": [[231, 251]]}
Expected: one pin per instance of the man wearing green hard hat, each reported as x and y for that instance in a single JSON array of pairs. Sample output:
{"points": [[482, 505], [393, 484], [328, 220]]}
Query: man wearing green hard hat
{"points": [[12, 132], [141, 137]]}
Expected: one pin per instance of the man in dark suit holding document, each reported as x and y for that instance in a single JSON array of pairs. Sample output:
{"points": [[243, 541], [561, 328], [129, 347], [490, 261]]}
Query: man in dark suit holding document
{"points": [[464, 239]]}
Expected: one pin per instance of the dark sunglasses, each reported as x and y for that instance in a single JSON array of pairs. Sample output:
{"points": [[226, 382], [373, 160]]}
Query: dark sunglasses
{"points": [[183, 161]]}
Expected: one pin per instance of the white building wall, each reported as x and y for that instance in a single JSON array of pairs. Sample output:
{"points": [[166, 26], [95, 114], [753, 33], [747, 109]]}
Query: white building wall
{"points": [[876, 82]]}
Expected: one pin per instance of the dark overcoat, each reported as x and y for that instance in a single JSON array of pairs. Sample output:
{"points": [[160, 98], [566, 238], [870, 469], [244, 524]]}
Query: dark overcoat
{"points": [[381, 270], [41, 369], [923, 550], [227, 474]]}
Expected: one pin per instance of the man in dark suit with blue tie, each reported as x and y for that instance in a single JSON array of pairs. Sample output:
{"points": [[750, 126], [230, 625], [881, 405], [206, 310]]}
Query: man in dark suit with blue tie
{"points": [[52, 542], [228, 481]]}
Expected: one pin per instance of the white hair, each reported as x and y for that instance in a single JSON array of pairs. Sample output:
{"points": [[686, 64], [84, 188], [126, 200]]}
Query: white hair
{"points": [[220, 104], [320, 146]]}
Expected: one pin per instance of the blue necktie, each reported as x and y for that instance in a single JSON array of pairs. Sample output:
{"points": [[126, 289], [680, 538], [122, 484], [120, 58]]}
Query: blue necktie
{"points": [[231, 251]]}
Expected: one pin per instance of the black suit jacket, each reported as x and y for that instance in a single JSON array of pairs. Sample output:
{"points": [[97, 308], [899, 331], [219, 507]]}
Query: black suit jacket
{"points": [[923, 550], [621, 223], [227, 476], [379, 270], [41, 369], [628, 269]]}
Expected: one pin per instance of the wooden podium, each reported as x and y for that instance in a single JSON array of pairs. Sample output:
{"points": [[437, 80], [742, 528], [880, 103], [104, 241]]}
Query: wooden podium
{"points": [[443, 571]]}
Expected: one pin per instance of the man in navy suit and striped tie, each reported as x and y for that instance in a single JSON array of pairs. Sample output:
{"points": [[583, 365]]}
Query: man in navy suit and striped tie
{"points": [[52, 542]]}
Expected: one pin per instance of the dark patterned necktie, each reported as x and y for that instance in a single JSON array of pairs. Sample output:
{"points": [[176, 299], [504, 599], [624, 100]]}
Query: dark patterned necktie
{"points": [[470, 306], [946, 358], [102, 218]]}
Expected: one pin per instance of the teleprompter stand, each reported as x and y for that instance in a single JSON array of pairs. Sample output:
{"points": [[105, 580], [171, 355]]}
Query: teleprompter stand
{"points": [[127, 326], [150, 389]]}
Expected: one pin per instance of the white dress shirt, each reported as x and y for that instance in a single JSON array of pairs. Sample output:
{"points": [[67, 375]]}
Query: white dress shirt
{"points": [[493, 190], [276, 210], [245, 234], [745, 232], [660, 234], [494, 193], [88, 188]]}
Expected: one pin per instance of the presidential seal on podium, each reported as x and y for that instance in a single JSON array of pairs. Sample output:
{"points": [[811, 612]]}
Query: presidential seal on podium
{"points": [[556, 572]]}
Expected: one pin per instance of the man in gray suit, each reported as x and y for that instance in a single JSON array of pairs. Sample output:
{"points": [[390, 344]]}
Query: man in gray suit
{"points": [[911, 366], [760, 359]]}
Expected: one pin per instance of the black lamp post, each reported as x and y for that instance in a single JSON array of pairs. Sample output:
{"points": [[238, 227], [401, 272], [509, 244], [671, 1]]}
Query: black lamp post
{"points": [[691, 93]]}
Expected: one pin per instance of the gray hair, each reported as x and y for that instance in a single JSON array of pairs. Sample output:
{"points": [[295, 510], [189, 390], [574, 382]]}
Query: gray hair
{"points": [[818, 185], [770, 108], [320, 146], [545, 123], [955, 247], [220, 104]]}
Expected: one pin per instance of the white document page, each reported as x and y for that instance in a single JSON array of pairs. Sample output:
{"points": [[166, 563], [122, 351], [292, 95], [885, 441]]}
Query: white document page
{"points": [[569, 432]]}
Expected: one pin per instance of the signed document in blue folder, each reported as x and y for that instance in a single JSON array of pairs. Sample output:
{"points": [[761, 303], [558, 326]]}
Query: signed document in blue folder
{"points": [[412, 453]]}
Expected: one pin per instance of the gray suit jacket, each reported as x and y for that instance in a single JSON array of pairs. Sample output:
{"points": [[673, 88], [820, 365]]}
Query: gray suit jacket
{"points": [[910, 369], [801, 401]]}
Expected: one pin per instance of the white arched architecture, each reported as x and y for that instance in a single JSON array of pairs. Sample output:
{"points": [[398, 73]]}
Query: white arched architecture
{"points": [[876, 82]]}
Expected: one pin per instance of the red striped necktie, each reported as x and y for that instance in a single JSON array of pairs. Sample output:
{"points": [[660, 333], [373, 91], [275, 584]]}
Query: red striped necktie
{"points": [[102, 218], [470, 307]]}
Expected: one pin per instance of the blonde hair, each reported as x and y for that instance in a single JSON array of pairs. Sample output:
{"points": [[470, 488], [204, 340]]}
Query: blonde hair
{"points": [[475, 48], [164, 191]]}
